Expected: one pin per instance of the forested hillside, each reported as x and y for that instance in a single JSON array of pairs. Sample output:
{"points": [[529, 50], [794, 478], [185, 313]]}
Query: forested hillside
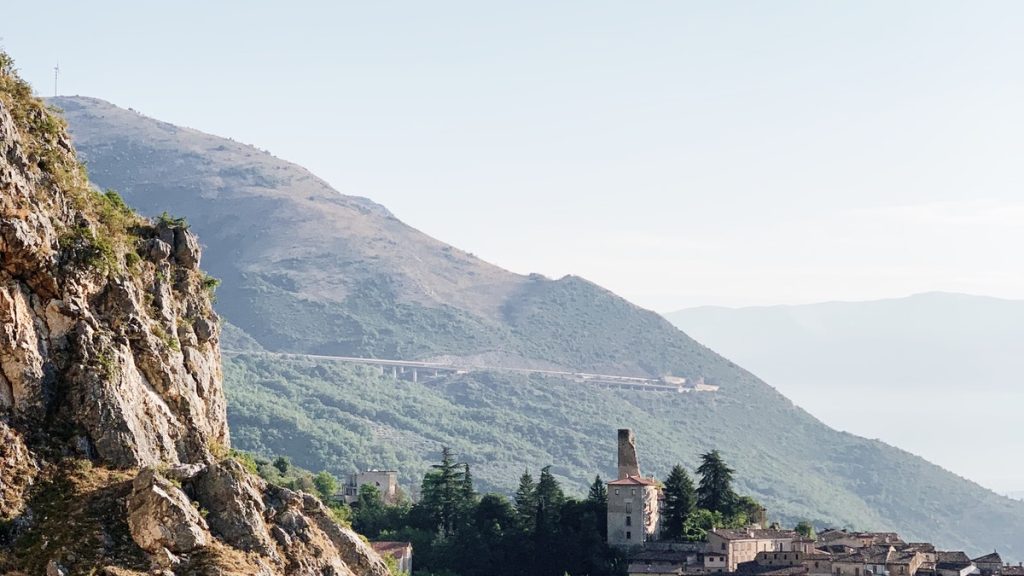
{"points": [[306, 269]]}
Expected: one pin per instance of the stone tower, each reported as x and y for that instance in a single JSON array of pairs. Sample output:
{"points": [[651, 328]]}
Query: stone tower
{"points": [[628, 465]]}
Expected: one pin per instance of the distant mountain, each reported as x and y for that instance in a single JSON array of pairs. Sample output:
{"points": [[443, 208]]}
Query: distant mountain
{"points": [[306, 269], [939, 374]]}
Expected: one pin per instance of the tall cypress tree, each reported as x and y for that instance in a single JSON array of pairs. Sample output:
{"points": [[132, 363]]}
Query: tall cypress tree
{"points": [[598, 492], [680, 500], [715, 491], [597, 500]]}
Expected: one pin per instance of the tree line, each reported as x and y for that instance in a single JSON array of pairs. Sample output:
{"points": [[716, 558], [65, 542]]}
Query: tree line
{"points": [[455, 531]]}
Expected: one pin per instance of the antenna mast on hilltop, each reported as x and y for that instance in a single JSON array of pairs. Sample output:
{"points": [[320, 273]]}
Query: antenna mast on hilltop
{"points": [[56, 71]]}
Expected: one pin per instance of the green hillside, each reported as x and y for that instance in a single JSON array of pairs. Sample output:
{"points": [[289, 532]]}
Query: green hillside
{"points": [[340, 417], [306, 269]]}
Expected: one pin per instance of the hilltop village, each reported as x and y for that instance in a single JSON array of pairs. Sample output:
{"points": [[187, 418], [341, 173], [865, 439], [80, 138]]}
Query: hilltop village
{"points": [[636, 506]]}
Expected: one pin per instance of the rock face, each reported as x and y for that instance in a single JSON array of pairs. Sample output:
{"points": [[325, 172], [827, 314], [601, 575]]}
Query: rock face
{"points": [[90, 331], [160, 516], [110, 363]]}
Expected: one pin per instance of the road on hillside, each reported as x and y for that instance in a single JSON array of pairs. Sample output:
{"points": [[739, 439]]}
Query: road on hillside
{"points": [[607, 380]]}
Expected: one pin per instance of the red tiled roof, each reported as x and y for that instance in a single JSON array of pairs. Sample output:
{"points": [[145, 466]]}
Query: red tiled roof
{"points": [[393, 548]]}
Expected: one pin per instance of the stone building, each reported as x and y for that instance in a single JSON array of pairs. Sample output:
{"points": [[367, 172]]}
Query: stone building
{"points": [[989, 564], [634, 513], [743, 545], [385, 480]]}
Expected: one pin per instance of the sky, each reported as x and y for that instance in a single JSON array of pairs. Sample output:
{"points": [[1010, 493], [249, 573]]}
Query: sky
{"points": [[678, 153]]}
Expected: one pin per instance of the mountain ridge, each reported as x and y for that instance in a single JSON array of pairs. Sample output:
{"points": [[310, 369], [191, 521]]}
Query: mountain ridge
{"points": [[385, 301], [937, 356]]}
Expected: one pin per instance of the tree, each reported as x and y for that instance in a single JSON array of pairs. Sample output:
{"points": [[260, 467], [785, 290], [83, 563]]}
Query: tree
{"points": [[547, 558], [549, 494], [282, 464], [325, 484], [598, 492], [715, 491], [805, 529], [468, 493], [368, 511], [444, 491], [526, 501], [700, 523], [747, 510], [680, 500]]}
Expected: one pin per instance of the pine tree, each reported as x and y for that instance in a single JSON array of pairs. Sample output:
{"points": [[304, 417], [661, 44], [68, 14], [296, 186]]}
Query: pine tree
{"points": [[526, 502], [443, 491], [680, 500], [549, 501], [715, 491]]}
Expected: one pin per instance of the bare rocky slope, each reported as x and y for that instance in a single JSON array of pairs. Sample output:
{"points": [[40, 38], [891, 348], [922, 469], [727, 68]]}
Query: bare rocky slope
{"points": [[306, 269], [113, 429]]}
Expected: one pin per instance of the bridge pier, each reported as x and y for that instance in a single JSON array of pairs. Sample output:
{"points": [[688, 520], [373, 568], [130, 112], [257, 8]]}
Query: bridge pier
{"points": [[415, 375], [394, 373]]}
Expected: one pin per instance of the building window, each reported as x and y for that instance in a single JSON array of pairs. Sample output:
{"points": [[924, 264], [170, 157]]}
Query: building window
{"points": [[723, 545], [629, 535], [632, 491], [629, 520], [616, 491]]}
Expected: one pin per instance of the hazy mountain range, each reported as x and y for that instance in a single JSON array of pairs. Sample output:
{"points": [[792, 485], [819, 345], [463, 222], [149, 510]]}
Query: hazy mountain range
{"points": [[938, 374], [306, 269]]}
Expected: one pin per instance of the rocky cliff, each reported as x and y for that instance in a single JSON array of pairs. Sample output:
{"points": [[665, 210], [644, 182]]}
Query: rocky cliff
{"points": [[114, 448]]}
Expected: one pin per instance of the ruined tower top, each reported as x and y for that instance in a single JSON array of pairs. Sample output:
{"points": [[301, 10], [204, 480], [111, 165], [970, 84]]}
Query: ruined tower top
{"points": [[628, 465]]}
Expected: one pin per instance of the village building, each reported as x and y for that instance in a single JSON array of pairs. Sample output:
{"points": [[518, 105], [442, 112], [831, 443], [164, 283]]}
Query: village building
{"points": [[744, 545], [989, 564], [927, 551], [668, 558], [859, 539], [954, 564], [385, 480], [634, 507]]}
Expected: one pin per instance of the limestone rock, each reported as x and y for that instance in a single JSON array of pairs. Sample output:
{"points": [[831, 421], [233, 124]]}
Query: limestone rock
{"points": [[17, 471], [160, 516], [205, 329], [186, 248], [234, 498], [157, 250]]}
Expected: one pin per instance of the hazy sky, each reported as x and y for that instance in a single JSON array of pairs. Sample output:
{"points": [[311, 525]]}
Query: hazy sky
{"points": [[679, 153]]}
